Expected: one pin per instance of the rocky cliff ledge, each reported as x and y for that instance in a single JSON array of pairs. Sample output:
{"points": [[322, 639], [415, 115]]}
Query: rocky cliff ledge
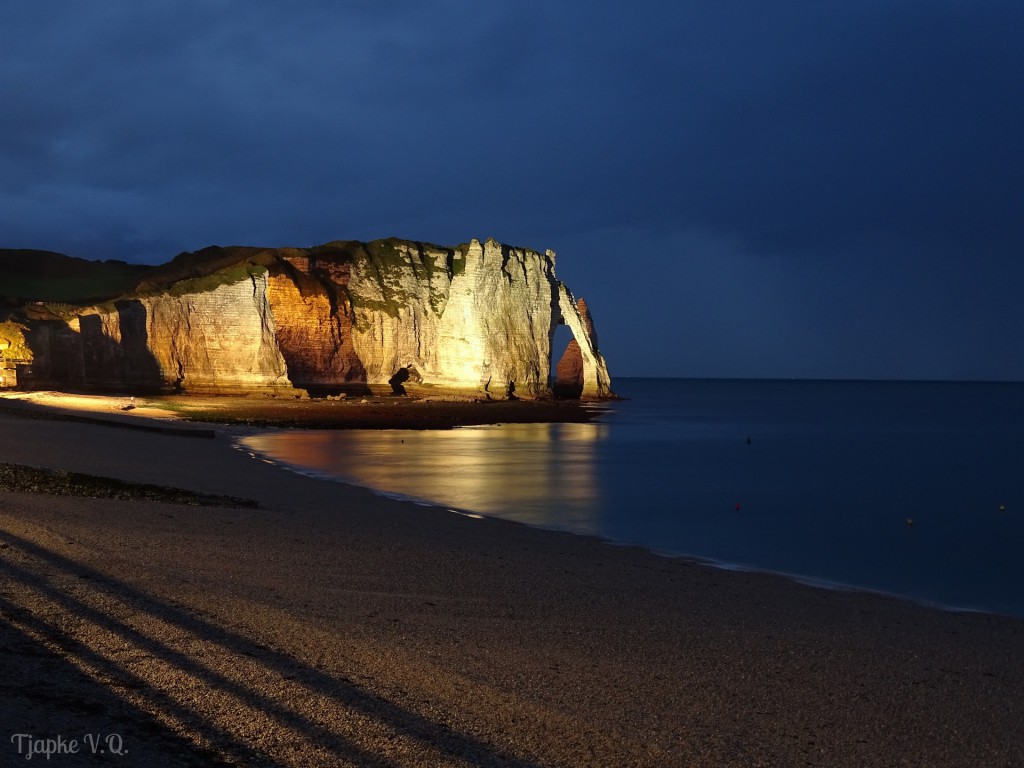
{"points": [[478, 318]]}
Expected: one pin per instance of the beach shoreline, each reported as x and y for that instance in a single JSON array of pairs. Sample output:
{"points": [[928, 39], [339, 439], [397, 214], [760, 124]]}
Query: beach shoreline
{"points": [[370, 412], [242, 443], [333, 626]]}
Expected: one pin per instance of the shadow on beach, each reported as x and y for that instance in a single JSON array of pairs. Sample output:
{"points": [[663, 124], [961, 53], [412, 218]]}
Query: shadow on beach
{"points": [[104, 658]]}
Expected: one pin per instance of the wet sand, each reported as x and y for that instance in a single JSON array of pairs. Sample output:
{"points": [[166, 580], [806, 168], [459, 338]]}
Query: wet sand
{"points": [[328, 626]]}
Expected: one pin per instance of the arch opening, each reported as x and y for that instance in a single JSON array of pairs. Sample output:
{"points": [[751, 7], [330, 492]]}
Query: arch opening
{"points": [[560, 339], [566, 364]]}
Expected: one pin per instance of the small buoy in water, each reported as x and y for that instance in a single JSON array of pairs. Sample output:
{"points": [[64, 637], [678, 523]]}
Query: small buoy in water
{"points": [[737, 507], [749, 441], [910, 521], [1002, 507]]}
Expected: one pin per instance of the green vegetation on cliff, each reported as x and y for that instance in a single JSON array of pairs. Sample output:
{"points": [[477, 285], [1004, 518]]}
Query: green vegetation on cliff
{"points": [[205, 270], [212, 282], [12, 341], [60, 284], [31, 275], [399, 271]]}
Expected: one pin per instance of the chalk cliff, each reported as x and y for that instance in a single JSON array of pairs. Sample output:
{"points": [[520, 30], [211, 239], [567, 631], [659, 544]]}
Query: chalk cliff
{"points": [[222, 340], [475, 319]]}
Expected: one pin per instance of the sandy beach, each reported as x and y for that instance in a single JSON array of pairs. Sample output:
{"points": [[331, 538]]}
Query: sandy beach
{"points": [[327, 626]]}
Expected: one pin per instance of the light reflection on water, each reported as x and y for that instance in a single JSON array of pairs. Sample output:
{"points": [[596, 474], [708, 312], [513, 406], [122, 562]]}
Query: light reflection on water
{"points": [[814, 479], [540, 474]]}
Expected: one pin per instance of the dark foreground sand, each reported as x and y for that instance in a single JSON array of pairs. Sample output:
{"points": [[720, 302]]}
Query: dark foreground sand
{"points": [[329, 627]]}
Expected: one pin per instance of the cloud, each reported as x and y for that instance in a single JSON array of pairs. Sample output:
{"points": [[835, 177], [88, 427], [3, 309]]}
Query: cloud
{"points": [[743, 147]]}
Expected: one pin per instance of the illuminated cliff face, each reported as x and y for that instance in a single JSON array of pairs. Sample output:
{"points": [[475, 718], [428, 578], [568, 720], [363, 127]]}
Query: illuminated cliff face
{"points": [[476, 319], [223, 340], [480, 324]]}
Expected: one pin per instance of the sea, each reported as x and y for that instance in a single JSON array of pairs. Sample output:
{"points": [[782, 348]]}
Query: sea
{"points": [[909, 488]]}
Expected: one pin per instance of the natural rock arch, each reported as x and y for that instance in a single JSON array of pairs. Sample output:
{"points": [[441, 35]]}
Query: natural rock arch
{"points": [[581, 372]]}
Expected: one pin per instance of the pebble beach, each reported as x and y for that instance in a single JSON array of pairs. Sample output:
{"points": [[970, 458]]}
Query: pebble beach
{"points": [[301, 622]]}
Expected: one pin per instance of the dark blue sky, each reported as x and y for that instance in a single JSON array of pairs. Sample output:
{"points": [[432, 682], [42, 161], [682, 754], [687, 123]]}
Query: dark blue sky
{"points": [[739, 188]]}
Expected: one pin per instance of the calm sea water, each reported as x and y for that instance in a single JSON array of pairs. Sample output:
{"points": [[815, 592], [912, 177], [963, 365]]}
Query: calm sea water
{"points": [[820, 480]]}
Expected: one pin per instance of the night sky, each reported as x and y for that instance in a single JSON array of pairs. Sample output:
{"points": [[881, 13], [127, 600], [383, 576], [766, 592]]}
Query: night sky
{"points": [[739, 188]]}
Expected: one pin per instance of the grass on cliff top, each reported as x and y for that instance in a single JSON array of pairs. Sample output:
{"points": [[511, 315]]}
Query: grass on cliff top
{"points": [[212, 282], [386, 260], [205, 270], [395, 253], [63, 282], [32, 275]]}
